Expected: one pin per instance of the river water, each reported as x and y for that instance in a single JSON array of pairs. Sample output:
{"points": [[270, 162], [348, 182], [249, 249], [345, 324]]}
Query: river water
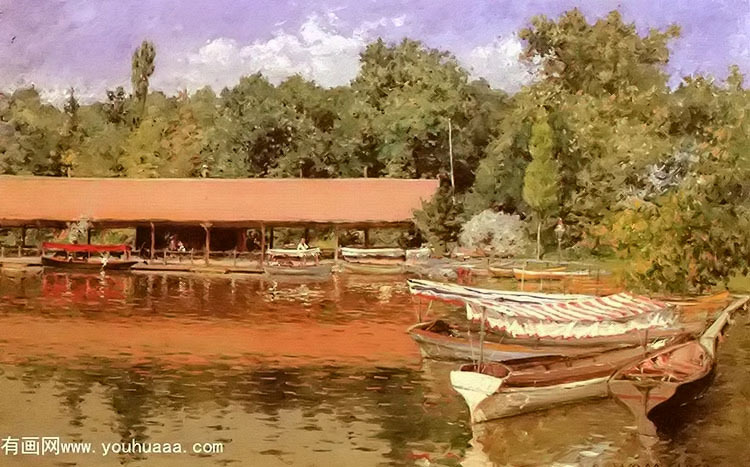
{"points": [[294, 373]]}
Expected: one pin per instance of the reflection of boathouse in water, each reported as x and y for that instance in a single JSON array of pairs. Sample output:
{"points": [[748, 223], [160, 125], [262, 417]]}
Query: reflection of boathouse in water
{"points": [[210, 214]]}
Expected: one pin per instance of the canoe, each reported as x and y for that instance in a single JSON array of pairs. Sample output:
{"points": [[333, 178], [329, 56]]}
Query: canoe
{"points": [[371, 268], [528, 274], [499, 271], [503, 389], [438, 340], [298, 270], [671, 377], [93, 264], [487, 399], [352, 253]]}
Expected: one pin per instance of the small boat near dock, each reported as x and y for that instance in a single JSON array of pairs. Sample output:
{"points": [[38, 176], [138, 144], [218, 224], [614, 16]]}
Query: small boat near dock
{"points": [[293, 262], [671, 377], [87, 257]]}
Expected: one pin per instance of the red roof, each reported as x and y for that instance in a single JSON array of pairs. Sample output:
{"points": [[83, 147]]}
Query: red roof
{"points": [[219, 201]]}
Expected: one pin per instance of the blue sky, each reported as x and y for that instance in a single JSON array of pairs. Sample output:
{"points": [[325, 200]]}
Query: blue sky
{"points": [[87, 44]]}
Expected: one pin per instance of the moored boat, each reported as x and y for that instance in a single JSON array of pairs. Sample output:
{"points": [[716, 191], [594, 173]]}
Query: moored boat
{"points": [[551, 274], [293, 262], [496, 390], [438, 340], [87, 257], [671, 377], [371, 268]]}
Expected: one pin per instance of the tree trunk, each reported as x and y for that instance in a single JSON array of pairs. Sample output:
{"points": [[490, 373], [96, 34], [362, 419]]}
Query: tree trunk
{"points": [[538, 239]]}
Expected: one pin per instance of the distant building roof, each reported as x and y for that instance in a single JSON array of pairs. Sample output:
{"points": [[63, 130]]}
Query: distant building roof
{"points": [[128, 201]]}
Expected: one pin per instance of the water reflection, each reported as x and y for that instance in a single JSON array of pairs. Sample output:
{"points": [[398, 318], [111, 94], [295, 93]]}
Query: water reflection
{"points": [[300, 373]]}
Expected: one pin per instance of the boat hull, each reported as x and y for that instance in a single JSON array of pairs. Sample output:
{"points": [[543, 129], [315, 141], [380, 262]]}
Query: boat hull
{"points": [[371, 268], [439, 346], [313, 270], [488, 399], [547, 275], [111, 265]]}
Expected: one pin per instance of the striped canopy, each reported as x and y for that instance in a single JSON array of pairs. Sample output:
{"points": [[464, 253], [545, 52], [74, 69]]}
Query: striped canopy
{"points": [[454, 293], [588, 317]]}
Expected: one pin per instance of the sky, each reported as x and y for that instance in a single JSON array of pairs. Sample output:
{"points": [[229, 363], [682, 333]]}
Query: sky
{"points": [[88, 44]]}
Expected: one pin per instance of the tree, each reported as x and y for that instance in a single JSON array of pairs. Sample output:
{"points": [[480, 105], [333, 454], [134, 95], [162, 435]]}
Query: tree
{"points": [[406, 93], [540, 182], [440, 220], [142, 69]]}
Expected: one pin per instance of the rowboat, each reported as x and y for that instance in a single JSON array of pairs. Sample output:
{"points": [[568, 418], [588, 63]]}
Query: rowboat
{"points": [[671, 377], [371, 268], [86, 257], [503, 389], [414, 255], [458, 294], [529, 274], [501, 270], [289, 262], [367, 254], [438, 340]]}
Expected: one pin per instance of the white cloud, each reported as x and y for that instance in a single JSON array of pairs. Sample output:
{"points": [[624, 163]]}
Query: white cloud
{"points": [[498, 62], [316, 51]]}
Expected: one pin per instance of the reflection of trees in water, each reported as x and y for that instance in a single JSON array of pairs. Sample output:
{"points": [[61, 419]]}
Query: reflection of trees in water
{"points": [[390, 398]]}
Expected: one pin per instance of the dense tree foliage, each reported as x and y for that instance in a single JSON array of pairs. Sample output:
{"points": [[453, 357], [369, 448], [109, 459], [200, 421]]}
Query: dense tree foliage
{"points": [[658, 175]]}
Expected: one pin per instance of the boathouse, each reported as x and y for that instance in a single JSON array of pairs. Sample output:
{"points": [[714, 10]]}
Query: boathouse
{"points": [[215, 213]]}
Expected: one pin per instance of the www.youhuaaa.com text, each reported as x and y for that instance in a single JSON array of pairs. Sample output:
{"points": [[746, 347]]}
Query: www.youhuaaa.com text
{"points": [[54, 446]]}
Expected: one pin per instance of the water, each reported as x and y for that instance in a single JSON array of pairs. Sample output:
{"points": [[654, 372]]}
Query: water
{"points": [[305, 373]]}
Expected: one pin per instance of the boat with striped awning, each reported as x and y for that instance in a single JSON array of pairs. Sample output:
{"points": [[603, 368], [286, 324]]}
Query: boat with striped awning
{"points": [[590, 317], [459, 294]]}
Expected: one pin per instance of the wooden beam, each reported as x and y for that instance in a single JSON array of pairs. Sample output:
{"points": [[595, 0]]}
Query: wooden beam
{"points": [[153, 240], [207, 249], [335, 244], [262, 244]]}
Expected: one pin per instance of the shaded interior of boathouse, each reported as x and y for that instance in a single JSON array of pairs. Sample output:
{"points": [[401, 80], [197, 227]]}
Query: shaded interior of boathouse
{"points": [[210, 215]]}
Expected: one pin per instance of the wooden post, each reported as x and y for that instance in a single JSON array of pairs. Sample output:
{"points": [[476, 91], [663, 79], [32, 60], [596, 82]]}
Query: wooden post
{"points": [[367, 238], [335, 244], [2, 252], [262, 244], [234, 257], [88, 236], [153, 240], [165, 256], [192, 251], [23, 237], [270, 237], [307, 234], [207, 227], [481, 339]]}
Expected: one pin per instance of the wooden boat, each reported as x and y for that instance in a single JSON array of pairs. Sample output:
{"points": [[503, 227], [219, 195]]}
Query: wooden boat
{"points": [[530, 274], [309, 270], [289, 262], [671, 377], [502, 270], [418, 254], [502, 389], [438, 340], [369, 254], [371, 268], [86, 257]]}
